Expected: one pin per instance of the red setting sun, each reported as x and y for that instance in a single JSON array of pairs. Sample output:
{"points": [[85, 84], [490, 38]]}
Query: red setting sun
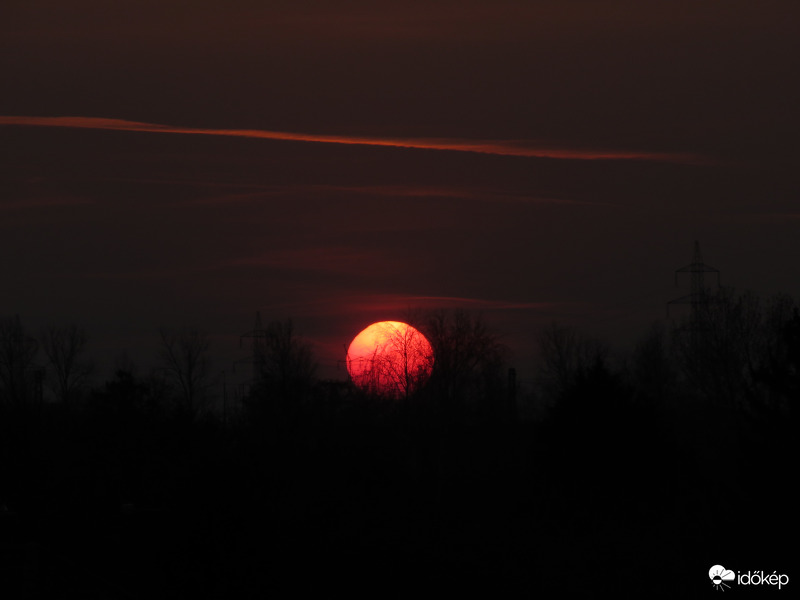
{"points": [[389, 358]]}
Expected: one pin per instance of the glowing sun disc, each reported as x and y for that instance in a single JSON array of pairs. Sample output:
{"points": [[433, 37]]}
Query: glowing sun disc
{"points": [[390, 358]]}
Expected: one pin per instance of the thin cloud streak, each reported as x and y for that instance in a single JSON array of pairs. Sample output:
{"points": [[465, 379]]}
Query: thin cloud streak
{"points": [[480, 303], [461, 193], [43, 202], [258, 192], [495, 147], [332, 259], [400, 304], [266, 192], [404, 302]]}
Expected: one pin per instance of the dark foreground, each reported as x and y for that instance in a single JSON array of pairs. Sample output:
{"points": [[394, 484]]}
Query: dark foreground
{"points": [[352, 498]]}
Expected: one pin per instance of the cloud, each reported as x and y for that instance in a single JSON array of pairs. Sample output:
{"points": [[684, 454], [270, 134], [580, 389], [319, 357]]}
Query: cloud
{"points": [[386, 306], [256, 193], [400, 304], [518, 148], [459, 193], [331, 259], [477, 303], [44, 202], [789, 216]]}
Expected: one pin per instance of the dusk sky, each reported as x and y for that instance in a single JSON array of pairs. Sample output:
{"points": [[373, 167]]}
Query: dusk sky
{"points": [[188, 163]]}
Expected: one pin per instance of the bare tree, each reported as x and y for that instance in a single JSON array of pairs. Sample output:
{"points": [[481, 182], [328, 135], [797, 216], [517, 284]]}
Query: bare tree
{"points": [[654, 373], [565, 356], [184, 355], [770, 347], [397, 365], [17, 356], [64, 348], [469, 358], [287, 365], [778, 369], [719, 345]]}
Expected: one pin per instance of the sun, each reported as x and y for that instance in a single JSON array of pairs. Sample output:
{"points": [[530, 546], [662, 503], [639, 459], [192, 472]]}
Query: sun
{"points": [[390, 358]]}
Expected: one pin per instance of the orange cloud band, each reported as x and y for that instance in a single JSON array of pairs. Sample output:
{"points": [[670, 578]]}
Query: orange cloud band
{"points": [[497, 147]]}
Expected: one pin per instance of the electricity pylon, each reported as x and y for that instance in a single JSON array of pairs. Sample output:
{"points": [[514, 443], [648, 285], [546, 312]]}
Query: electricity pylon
{"points": [[699, 297]]}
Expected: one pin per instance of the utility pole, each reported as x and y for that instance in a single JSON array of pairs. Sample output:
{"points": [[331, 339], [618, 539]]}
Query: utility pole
{"points": [[258, 337], [224, 399]]}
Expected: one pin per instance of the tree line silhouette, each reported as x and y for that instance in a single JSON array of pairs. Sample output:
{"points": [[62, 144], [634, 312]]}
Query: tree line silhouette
{"points": [[610, 472]]}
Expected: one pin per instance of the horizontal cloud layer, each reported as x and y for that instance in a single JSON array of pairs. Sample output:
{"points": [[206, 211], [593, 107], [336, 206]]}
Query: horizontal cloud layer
{"points": [[497, 147]]}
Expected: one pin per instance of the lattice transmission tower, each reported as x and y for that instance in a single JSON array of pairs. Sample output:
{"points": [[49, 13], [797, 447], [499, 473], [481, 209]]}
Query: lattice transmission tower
{"points": [[699, 297]]}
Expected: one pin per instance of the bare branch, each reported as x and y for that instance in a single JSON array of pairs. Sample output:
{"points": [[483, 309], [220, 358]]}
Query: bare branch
{"points": [[184, 356], [63, 348], [17, 356]]}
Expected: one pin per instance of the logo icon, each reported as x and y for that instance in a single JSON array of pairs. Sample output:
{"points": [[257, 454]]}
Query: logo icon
{"points": [[719, 575]]}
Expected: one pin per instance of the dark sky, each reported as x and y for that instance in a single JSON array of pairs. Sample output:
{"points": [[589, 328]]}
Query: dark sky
{"points": [[344, 162]]}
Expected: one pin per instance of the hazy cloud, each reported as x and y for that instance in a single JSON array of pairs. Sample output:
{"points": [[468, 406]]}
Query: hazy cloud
{"points": [[496, 147]]}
